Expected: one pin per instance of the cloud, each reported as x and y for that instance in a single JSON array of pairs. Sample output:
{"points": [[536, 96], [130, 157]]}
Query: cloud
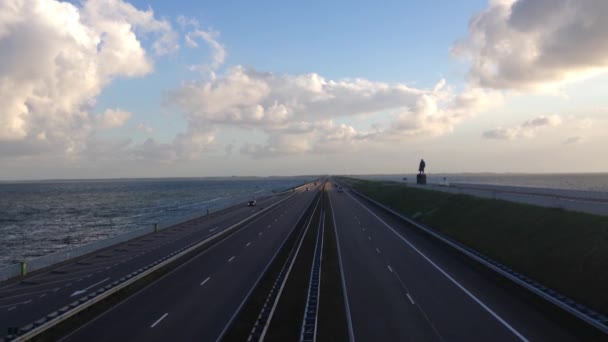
{"points": [[573, 140], [298, 112], [535, 44], [210, 37], [112, 118], [527, 129], [142, 127], [56, 59]]}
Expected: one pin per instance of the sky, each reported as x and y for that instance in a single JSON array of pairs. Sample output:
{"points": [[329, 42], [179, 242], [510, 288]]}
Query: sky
{"points": [[119, 89]]}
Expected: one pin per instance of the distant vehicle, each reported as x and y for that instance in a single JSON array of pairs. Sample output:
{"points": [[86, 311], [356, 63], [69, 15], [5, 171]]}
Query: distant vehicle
{"points": [[340, 189], [251, 203], [307, 189]]}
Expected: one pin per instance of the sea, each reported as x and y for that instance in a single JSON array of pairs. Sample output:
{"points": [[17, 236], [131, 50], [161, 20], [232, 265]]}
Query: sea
{"points": [[42, 217]]}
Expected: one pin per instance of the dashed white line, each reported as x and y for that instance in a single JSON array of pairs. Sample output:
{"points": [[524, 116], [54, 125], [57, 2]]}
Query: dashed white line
{"points": [[204, 281], [448, 276], [410, 298], [11, 308], [248, 243], [389, 268], [268, 226], [377, 250], [214, 229], [158, 321], [369, 238], [232, 258], [43, 295]]}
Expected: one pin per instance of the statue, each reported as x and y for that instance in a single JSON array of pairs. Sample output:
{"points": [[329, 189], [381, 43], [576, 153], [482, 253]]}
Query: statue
{"points": [[421, 176], [422, 166]]}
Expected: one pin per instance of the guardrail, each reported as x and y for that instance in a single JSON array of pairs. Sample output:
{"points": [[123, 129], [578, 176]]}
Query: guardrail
{"points": [[580, 311], [32, 330]]}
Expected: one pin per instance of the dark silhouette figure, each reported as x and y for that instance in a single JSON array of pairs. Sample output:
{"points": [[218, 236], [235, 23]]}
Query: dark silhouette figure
{"points": [[421, 167]]}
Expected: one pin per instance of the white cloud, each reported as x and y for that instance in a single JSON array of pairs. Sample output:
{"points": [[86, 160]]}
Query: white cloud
{"points": [[112, 118], [532, 44], [57, 57], [142, 127], [573, 140], [527, 129], [298, 111], [210, 37]]}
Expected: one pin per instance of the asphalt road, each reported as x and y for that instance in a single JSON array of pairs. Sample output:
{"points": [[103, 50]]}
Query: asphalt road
{"points": [[198, 299], [35, 296], [403, 286]]}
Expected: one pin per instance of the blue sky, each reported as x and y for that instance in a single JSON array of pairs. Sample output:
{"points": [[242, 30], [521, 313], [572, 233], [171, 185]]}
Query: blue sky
{"points": [[275, 87]]}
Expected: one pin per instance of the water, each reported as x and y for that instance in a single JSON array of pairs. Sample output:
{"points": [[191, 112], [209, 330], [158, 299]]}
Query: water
{"points": [[38, 218], [571, 181]]}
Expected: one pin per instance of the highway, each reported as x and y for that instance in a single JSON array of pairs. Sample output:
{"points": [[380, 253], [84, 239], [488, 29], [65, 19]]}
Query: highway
{"points": [[27, 300], [198, 299], [403, 286]]}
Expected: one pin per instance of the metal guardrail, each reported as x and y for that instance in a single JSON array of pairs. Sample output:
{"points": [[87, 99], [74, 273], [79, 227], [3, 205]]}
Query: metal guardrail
{"points": [[31, 330], [264, 318], [580, 311], [309, 324]]}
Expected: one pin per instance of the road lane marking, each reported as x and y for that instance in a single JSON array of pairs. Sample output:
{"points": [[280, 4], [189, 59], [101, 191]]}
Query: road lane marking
{"points": [[232, 258], [389, 268], [12, 308], [260, 233], [268, 226], [43, 295], [15, 304], [76, 293], [204, 281], [248, 243], [158, 321], [369, 238], [377, 250], [351, 333], [449, 277], [214, 229], [410, 298]]}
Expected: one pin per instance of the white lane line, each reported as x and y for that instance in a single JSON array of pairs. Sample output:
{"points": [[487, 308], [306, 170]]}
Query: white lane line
{"points": [[389, 268], [204, 281], [232, 258], [377, 250], [43, 295], [268, 226], [214, 229], [11, 308], [248, 243], [260, 233], [454, 281], [410, 298], [15, 304], [76, 293], [369, 238], [363, 229], [158, 320]]}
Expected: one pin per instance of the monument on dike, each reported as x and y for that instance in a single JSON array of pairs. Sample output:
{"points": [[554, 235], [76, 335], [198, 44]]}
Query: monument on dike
{"points": [[421, 176]]}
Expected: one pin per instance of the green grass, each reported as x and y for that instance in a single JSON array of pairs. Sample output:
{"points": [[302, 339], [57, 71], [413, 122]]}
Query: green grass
{"points": [[566, 251]]}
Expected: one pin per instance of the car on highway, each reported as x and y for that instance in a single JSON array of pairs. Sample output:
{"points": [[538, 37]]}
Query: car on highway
{"points": [[251, 203], [340, 189]]}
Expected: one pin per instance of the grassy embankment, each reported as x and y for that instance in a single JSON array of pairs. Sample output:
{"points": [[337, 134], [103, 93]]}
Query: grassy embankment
{"points": [[566, 251]]}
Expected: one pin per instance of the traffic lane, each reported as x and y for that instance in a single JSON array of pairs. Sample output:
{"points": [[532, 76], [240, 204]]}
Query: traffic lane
{"points": [[477, 305], [379, 305], [187, 295], [37, 296]]}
